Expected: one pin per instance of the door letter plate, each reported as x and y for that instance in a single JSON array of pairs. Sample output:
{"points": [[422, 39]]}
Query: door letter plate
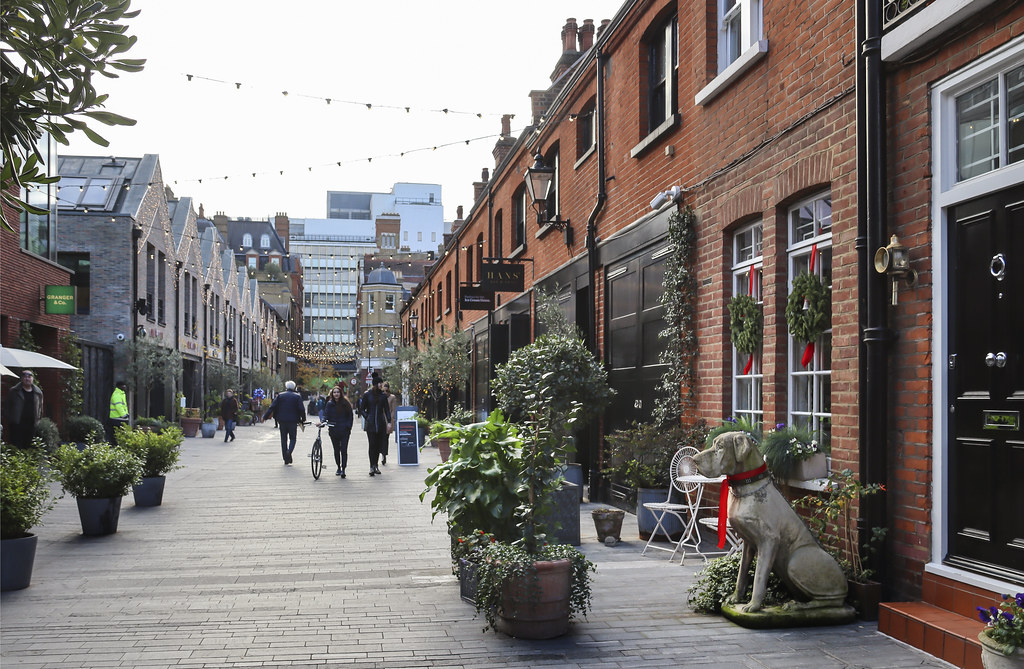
{"points": [[1001, 420]]}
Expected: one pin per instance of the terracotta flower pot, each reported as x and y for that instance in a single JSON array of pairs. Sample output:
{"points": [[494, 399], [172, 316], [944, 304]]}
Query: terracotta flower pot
{"points": [[444, 448], [608, 523], [545, 616]]}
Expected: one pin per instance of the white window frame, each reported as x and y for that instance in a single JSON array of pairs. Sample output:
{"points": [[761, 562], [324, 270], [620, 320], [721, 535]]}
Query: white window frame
{"points": [[752, 47], [741, 268], [389, 303], [264, 241], [247, 241], [666, 38], [819, 371]]}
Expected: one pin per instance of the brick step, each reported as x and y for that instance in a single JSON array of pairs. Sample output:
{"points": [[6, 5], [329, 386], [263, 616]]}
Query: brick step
{"points": [[944, 634]]}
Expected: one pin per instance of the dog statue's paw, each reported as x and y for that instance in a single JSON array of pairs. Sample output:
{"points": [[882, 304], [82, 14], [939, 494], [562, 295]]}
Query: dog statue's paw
{"points": [[752, 607]]}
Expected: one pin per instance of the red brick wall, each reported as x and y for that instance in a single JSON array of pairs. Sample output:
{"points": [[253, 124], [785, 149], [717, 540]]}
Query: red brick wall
{"points": [[22, 278]]}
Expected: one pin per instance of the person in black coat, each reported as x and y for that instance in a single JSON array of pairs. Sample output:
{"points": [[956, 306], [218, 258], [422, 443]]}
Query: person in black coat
{"points": [[337, 413], [288, 410], [374, 408]]}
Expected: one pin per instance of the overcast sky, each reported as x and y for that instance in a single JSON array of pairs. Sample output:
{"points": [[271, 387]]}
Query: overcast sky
{"points": [[468, 56]]}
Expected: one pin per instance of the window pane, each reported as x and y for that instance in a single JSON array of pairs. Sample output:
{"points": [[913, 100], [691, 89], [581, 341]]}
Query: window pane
{"points": [[1015, 114], [70, 189], [96, 192], [823, 211], [802, 223], [977, 120], [802, 389], [743, 394]]}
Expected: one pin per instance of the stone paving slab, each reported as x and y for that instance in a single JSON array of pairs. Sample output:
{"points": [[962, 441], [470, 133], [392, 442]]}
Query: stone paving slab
{"points": [[251, 563]]}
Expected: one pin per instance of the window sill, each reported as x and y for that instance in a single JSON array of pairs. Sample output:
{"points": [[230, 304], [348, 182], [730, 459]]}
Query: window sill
{"points": [[519, 250], [655, 136], [730, 74], [812, 484], [586, 154]]}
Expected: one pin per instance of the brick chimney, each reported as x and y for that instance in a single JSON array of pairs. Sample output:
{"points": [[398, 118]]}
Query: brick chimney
{"points": [[505, 142], [282, 224], [220, 219], [603, 26], [479, 186], [587, 34], [569, 32]]}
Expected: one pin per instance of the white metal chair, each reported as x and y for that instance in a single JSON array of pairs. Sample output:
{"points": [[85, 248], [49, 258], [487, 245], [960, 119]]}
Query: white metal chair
{"points": [[660, 510], [702, 513]]}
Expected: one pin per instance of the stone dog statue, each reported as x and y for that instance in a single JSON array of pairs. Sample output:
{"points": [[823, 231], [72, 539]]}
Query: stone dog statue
{"points": [[771, 529]]}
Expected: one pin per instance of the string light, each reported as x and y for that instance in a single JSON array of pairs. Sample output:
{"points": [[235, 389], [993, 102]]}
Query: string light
{"points": [[369, 105]]}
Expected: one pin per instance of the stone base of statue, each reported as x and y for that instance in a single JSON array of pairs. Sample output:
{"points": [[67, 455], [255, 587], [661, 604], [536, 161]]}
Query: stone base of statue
{"points": [[772, 617]]}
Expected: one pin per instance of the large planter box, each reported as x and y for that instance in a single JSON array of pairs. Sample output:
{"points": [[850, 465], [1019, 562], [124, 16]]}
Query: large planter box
{"points": [[814, 467]]}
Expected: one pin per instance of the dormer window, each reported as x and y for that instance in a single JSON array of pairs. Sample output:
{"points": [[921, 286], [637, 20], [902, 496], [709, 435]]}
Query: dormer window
{"points": [[247, 241]]}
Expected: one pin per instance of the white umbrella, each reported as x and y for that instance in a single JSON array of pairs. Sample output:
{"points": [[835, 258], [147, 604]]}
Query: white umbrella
{"points": [[16, 357], [6, 372]]}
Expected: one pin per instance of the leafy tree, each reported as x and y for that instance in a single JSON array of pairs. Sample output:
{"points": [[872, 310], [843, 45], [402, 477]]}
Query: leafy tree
{"points": [[49, 52], [444, 367]]}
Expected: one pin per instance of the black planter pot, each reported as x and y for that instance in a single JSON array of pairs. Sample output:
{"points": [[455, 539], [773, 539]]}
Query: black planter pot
{"points": [[149, 491], [99, 516], [865, 597], [17, 556], [467, 581]]}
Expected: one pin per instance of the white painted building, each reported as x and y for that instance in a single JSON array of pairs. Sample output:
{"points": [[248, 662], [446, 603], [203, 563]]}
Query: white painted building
{"points": [[416, 207]]}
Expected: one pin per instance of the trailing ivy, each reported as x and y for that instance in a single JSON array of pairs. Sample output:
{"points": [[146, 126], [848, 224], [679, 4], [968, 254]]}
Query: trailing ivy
{"points": [[74, 379], [680, 302]]}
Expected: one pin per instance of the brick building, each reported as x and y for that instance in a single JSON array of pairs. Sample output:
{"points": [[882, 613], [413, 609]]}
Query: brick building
{"points": [[28, 256], [798, 148]]}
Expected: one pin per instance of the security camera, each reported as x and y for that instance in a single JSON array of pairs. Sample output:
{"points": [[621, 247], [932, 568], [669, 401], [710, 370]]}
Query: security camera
{"points": [[120, 336], [659, 200]]}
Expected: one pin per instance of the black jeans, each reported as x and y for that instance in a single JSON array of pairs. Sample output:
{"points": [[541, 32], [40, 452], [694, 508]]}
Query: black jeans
{"points": [[378, 444], [288, 434], [340, 442]]}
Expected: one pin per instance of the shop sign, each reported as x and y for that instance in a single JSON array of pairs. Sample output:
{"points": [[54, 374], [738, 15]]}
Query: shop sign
{"points": [[502, 277], [60, 299], [475, 299]]}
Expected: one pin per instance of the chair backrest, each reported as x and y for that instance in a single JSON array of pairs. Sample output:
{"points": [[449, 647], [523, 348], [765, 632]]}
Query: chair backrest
{"points": [[683, 465]]}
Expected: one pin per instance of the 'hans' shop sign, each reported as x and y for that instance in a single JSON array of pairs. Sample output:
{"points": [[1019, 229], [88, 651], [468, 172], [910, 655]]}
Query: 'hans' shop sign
{"points": [[60, 299], [502, 277]]}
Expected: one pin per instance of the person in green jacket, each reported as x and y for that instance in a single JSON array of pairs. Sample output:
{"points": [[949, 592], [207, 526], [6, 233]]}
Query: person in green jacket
{"points": [[118, 409]]}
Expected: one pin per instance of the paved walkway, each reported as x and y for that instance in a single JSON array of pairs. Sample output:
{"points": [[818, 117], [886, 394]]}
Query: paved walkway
{"points": [[250, 563]]}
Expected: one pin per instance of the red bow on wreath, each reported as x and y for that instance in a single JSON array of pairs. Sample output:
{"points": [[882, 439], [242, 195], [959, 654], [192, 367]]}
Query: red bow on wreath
{"points": [[808, 355]]}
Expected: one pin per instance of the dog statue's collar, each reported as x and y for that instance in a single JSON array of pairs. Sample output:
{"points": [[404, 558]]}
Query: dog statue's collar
{"points": [[751, 476]]}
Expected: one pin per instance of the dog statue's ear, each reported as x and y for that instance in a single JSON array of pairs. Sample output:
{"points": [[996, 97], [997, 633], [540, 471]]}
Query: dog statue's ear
{"points": [[744, 446]]}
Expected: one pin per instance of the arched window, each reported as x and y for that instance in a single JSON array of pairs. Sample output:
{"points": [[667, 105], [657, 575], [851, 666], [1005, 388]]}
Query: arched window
{"points": [[265, 241], [247, 241]]}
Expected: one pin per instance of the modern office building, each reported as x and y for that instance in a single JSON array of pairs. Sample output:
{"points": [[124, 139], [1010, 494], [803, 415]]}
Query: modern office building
{"points": [[415, 208]]}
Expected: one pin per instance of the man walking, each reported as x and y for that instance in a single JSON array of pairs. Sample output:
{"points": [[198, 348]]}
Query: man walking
{"points": [[288, 410], [24, 409], [229, 412], [118, 409]]}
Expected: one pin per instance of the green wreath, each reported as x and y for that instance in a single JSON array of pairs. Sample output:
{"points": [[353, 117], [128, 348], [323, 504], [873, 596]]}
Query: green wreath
{"points": [[810, 323], [746, 322]]}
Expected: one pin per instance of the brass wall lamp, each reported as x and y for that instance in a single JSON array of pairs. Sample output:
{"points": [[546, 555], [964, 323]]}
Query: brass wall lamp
{"points": [[894, 261]]}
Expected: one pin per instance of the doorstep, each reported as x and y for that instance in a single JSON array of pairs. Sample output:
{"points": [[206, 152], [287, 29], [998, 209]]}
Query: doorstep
{"points": [[945, 624]]}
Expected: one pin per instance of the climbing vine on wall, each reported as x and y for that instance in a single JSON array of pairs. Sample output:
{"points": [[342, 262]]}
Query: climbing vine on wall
{"points": [[680, 303], [74, 379]]}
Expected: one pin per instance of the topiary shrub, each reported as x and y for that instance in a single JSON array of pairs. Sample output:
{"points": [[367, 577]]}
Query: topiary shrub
{"points": [[98, 471], [158, 451], [47, 430], [85, 430]]}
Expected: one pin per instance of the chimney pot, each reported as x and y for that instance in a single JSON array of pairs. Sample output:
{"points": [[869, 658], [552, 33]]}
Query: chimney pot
{"points": [[485, 175], [458, 213], [569, 36], [586, 34]]}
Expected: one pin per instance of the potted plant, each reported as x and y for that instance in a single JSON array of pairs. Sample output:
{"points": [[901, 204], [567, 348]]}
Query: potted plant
{"points": [[83, 430], [1002, 640], [459, 416], [531, 588], [833, 507], [794, 453], [24, 497], [212, 415], [467, 553], [638, 458], [98, 476], [159, 453], [190, 421]]}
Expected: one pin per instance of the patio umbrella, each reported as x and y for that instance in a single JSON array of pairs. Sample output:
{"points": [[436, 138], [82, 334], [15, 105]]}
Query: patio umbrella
{"points": [[16, 357], [6, 372]]}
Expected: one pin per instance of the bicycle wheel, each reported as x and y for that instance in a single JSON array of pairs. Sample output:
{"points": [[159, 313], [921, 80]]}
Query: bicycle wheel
{"points": [[317, 458]]}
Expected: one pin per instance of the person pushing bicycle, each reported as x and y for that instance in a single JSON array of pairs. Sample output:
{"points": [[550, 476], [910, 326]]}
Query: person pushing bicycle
{"points": [[337, 415]]}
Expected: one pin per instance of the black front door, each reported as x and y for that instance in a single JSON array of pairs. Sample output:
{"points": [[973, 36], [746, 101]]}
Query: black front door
{"points": [[986, 382]]}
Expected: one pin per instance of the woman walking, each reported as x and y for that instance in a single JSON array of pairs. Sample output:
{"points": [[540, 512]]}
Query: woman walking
{"points": [[373, 407], [337, 413]]}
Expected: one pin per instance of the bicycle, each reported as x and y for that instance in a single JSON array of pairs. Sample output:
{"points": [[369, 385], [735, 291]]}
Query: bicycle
{"points": [[316, 457]]}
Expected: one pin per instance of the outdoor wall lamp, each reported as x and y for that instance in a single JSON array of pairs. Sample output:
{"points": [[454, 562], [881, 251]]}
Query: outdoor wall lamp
{"points": [[661, 198], [538, 186], [894, 261]]}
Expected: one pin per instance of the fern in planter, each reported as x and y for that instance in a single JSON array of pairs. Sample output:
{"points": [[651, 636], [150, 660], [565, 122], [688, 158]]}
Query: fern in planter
{"points": [[785, 446]]}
